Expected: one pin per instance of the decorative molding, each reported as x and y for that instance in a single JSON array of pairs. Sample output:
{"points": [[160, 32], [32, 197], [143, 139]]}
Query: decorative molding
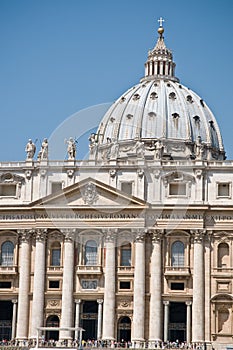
{"points": [[24, 235]]}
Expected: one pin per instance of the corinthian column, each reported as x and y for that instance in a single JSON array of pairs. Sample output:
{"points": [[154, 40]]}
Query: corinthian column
{"points": [[198, 325], [110, 287], [67, 285], [139, 291], [24, 285], [155, 289], [39, 280]]}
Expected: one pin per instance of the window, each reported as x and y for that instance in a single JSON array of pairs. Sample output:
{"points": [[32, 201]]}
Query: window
{"points": [[126, 255], [54, 284], [5, 285], [7, 253], [223, 255], [56, 186], [124, 284], [223, 189], [8, 190], [178, 254], [91, 253], [127, 187], [177, 286], [56, 254], [177, 189]]}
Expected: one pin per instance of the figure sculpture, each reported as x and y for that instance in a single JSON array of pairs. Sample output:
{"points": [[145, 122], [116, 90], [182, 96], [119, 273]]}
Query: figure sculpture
{"points": [[30, 149], [71, 148], [43, 154]]}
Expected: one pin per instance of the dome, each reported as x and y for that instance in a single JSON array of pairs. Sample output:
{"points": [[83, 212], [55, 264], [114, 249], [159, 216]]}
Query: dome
{"points": [[159, 112]]}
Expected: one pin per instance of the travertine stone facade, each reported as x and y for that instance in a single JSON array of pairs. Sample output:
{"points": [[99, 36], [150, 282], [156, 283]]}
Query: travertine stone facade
{"points": [[140, 249]]}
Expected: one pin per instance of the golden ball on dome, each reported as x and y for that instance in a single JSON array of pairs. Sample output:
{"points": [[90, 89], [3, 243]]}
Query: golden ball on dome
{"points": [[160, 30]]}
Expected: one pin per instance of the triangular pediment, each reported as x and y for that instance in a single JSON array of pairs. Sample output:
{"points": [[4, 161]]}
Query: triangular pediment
{"points": [[90, 193]]}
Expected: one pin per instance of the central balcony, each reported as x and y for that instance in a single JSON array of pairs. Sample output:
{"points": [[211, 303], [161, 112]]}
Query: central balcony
{"points": [[8, 270], [177, 271], [89, 269]]}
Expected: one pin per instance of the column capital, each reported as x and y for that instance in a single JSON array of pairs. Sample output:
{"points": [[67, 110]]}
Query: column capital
{"points": [[139, 235], [77, 301], [188, 303], [110, 234], [40, 234], [68, 234], [24, 235], [100, 301], [166, 302], [156, 235], [14, 301], [198, 235]]}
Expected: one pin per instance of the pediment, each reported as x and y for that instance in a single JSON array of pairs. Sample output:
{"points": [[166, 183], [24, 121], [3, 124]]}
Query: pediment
{"points": [[90, 193]]}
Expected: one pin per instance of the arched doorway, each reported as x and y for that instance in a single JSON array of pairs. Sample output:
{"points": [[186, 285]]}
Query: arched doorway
{"points": [[124, 329], [52, 321], [177, 321]]}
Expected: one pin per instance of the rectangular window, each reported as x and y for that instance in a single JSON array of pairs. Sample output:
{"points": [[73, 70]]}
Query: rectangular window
{"points": [[177, 286], [54, 284], [56, 187], [126, 257], [8, 190], [56, 257], [124, 284], [5, 285], [127, 187], [177, 189], [223, 190]]}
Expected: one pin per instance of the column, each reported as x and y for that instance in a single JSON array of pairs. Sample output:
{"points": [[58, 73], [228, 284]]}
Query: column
{"points": [[155, 288], [198, 288], [99, 326], [24, 285], [77, 316], [13, 331], [139, 291], [110, 287], [67, 285], [166, 318], [39, 281], [188, 324]]}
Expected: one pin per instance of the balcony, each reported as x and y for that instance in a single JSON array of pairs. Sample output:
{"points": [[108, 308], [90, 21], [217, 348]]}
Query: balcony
{"points": [[125, 270], [223, 272], [8, 270], [54, 269], [177, 271], [89, 269]]}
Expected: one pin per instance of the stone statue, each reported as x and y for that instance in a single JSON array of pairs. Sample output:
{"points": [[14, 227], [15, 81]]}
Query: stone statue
{"points": [[30, 149], [114, 150], [139, 148], [199, 149], [71, 148], [92, 142], [43, 154], [159, 149]]}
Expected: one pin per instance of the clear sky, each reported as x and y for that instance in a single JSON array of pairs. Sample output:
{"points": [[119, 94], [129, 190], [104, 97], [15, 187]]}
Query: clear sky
{"points": [[61, 56]]}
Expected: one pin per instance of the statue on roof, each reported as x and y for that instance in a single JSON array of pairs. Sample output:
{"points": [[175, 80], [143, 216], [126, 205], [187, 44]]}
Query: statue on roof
{"points": [[71, 148], [30, 149]]}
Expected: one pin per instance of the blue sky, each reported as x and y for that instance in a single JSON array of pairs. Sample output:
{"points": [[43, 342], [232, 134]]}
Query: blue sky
{"points": [[61, 56]]}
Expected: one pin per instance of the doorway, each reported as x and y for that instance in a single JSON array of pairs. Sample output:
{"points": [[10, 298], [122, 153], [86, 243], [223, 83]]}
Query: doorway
{"points": [[52, 321], [124, 330], [6, 312], [177, 322], [89, 318]]}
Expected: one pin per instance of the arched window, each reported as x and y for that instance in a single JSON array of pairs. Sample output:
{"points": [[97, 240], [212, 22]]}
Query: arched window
{"points": [[56, 254], [223, 255], [90, 257], [178, 253], [125, 259], [7, 254]]}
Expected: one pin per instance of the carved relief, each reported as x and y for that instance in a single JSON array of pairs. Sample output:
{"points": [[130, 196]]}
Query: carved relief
{"points": [[90, 194]]}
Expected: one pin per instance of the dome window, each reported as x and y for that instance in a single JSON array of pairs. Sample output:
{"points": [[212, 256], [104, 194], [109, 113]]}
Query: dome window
{"points": [[168, 84], [211, 123], [123, 99], [172, 96], [153, 95], [112, 119], [189, 98], [136, 97], [129, 116], [155, 84], [152, 114], [202, 103], [175, 115], [196, 118], [180, 86]]}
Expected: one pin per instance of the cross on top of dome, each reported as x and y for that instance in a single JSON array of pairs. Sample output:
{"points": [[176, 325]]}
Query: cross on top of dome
{"points": [[161, 20]]}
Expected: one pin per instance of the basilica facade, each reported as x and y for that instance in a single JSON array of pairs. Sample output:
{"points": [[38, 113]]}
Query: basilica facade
{"points": [[136, 242]]}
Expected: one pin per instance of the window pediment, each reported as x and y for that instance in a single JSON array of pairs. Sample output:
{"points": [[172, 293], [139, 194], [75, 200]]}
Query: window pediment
{"points": [[177, 176], [10, 178]]}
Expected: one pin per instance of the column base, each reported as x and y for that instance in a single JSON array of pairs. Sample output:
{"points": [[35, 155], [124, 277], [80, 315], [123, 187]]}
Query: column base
{"points": [[155, 344]]}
